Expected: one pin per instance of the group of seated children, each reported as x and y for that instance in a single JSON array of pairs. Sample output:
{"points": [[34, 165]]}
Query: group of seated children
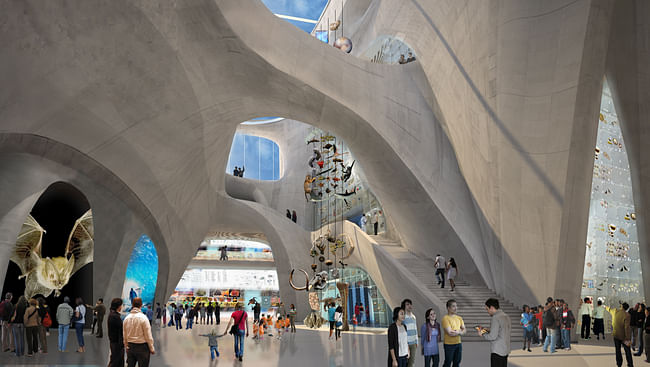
{"points": [[266, 323]]}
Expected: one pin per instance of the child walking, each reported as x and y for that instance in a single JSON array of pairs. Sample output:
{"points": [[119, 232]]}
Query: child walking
{"points": [[262, 326], [279, 325], [212, 342]]}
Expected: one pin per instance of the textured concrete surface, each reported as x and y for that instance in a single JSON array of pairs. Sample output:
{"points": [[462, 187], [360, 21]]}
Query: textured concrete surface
{"points": [[481, 150]]}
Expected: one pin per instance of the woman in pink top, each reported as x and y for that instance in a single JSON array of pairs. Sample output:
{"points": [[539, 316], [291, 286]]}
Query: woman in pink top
{"points": [[239, 318]]}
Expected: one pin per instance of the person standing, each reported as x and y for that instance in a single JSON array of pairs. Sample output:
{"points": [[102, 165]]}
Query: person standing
{"points": [[80, 321], [100, 312], [566, 324], [452, 273], [441, 267], [6, 310], [640, 321], [338, 318], [292, 317], [453, 327], [498, 335], [217, 312], [527, 320], [64, 315], [224, 253], [398, 348], [202, 312], [178, 317], [137, 338], [431, 335], [18, 325], [633, 325], [549, 323], [159, 314], [622, 334], [412, 330], [257, 309], [331, 311], [32, 323], [210, 312], [586, 309], [239, 318], [288, 214], [599, 320], [364, 223], [375, 221], [294, 217], [46, 321], [115, 336]]}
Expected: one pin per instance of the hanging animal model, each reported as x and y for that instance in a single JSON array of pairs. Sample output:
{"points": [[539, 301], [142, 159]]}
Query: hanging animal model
{"points": [[347, 172], [314, 140], [346, 193], [326, 138], [318, 282], [322, 172], [45, 275], [307, 186], [315, 158]]}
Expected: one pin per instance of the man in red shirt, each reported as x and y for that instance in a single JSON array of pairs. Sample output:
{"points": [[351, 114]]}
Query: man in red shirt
{"points": [[240, 319]]}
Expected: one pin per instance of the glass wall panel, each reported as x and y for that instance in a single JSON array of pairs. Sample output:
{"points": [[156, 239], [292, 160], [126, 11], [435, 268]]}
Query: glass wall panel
{"points": [[258, 157]]}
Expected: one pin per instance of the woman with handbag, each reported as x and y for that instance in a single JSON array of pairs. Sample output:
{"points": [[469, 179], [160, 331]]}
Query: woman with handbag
{"points": [[238, 319], [79, 320]]}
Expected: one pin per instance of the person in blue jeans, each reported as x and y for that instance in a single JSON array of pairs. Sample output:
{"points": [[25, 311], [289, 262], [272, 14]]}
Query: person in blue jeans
{"points": [[239, 319], [212, 342], [549, 322], [190, 317], [63, 316], [80, 321], [18, 326], [567, 322]]}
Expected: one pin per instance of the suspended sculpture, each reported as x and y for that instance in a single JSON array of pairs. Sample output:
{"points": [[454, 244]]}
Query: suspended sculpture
{"points": [[47, 275], [344, 44]]}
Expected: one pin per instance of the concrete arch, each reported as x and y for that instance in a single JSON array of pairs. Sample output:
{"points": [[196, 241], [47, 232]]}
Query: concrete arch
{"points": [[118, 214]]}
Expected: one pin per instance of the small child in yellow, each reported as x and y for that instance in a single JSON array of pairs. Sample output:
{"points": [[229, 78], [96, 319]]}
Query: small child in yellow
{"points": [[269, 323], [261, 328], [279, 325], [256, 329], [287, 324]]}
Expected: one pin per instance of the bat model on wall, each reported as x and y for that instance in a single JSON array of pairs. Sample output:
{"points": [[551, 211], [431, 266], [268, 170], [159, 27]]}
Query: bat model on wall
{"points": [[45, 275]]}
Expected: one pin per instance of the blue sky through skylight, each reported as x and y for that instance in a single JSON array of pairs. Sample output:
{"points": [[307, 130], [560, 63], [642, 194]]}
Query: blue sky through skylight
{"points": [[259, 156], [308, 9]]}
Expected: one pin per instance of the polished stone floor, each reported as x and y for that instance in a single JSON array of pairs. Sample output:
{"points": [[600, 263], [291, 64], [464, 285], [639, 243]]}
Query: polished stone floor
{"points": [[310, 348]]}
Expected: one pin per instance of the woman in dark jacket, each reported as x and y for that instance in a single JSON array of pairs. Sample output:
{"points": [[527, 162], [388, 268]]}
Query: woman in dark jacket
{"points": [[395, 359], [18, 326]]}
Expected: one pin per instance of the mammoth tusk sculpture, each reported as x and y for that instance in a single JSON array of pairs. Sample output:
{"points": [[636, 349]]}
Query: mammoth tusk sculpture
{"points": [[306, 287]]}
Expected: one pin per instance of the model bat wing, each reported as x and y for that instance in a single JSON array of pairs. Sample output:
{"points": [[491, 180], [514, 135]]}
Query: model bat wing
{"points": [[27, 251], [80, 242]]}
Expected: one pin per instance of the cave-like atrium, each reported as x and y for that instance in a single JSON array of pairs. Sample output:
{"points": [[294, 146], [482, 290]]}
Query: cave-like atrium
{"points": [[344, 182]]}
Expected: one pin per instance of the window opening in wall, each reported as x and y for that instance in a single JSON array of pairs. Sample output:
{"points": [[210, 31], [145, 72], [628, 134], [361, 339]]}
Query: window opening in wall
{"points": [[254, 157], [612, 269]]}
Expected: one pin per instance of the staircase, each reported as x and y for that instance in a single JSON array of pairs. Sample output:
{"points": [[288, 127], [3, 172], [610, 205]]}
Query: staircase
{"points": [[470, 299]]}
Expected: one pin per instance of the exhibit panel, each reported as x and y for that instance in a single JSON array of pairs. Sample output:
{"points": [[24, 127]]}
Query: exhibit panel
{"points": [[612, 267], [141, 273]]}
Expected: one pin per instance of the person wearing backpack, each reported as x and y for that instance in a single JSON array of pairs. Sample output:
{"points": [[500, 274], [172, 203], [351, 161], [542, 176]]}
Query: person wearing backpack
{"points": [[6, 310], [46, 322], [549, 323], [64, 316]]}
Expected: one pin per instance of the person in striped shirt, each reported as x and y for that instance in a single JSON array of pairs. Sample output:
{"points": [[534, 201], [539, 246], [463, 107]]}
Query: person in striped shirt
{"points": [[411, 330]]}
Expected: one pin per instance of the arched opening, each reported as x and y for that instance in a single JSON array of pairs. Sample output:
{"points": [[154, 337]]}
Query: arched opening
{"points": [[53, 256], [141, 273]]}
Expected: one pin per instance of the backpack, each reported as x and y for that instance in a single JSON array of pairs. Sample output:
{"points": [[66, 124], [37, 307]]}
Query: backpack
{"points": [[549, 318], [47, 320]]}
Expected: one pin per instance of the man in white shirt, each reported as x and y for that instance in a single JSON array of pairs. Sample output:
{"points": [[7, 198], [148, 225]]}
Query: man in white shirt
{"points": [[440, 265], [411, 330], [138, 341], [586, 309]]}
